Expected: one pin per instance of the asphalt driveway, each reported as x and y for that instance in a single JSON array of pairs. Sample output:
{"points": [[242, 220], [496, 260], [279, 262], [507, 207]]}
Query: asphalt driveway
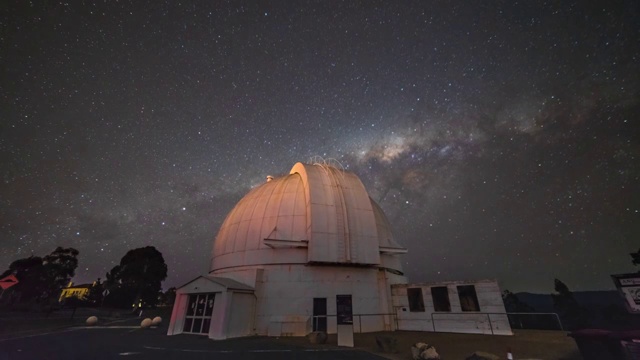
{"points": [[129, 342]]}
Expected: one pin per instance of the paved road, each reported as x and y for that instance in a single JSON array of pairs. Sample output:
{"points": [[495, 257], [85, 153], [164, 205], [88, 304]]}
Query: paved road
{"points": [[135, 344]]}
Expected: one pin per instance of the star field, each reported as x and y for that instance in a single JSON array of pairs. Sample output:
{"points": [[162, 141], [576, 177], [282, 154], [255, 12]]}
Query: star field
{"points": [[501, 139]]}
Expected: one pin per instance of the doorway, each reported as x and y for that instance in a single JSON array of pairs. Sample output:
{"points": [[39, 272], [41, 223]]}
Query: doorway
{"points": [[320, 314], [199, 311]]}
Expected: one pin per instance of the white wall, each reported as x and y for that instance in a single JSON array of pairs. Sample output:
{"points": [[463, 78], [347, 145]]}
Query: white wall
{"points": [[220, 316], [241, 315], [246, 276], [285, 297], [490, 319], [176, 322]]}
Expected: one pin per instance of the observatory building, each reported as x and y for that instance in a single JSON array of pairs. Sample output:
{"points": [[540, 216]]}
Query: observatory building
{"points": [[309, 251]]}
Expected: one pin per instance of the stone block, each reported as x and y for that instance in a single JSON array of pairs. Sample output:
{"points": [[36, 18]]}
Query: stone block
{"points": [[145, 323], [387, 344], [317, 337], [424, 351], [92, 320]]}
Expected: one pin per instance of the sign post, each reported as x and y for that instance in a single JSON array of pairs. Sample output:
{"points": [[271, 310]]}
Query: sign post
{"points": [[7, 282], [629, 287], [345, 320]]}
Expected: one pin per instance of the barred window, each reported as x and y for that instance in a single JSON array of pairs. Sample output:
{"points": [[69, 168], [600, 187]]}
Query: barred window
{"points": [[468, 298], [416, 302], [440, 296]]}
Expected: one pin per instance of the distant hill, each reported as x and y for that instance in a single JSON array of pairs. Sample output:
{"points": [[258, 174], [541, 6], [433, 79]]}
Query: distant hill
{"points": [[592, 300], [606, 308]]}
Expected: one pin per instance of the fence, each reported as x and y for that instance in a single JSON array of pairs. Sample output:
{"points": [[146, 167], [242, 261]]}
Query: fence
{"points": [[459, 317], [370, 321], [540, 321], [537, 321]]}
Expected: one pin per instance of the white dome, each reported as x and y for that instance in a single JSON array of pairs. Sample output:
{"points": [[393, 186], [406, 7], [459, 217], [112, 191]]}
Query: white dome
{"points": [[315, 215]]}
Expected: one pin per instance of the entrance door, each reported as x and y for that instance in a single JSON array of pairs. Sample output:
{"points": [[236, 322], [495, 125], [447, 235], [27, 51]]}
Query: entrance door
{"points": [[319, 314], [199, 310]]}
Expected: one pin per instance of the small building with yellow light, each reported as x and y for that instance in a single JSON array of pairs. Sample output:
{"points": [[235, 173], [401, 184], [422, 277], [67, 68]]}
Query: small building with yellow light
{"points": [[80, 292]]}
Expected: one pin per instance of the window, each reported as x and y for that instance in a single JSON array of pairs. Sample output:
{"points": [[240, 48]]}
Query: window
{"points": [[468, 298], [320, 314], [440, 295], [199, 313], [416, 303]]}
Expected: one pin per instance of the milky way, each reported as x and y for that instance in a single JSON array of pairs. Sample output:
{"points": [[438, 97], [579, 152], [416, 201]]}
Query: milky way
{"points": [[501, 139]]}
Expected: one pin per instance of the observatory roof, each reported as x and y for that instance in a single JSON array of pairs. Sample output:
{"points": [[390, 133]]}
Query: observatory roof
{"points": [[315, 214]]}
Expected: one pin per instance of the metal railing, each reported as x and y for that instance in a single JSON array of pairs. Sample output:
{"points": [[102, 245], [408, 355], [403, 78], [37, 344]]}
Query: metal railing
{"points": [[491, 323], [315, 320], [515, 320], [433, 321], [522, 320]]}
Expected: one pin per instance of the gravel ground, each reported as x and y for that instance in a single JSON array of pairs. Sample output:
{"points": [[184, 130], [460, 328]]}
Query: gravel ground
{"points": [[525, 344]]}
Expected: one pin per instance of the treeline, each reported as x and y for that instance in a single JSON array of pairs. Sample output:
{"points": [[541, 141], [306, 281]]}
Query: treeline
{"points": [[135, 282], [601, 309], [571, 313], [40, 278]]}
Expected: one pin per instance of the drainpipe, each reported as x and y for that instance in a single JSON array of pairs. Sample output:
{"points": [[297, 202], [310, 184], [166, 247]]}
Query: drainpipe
{"points": [[255, 310]]}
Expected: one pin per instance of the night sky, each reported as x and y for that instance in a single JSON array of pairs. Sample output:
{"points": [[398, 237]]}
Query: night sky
{"points": [[501, 138]]}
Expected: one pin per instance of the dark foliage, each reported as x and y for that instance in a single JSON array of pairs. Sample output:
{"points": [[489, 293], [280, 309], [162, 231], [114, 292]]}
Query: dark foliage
{"points": [[96, 296], [40, 279], [513, 304], [572, 314], [168, 297], [31, 280], [60, 267], [635, 256], [137, 280]]}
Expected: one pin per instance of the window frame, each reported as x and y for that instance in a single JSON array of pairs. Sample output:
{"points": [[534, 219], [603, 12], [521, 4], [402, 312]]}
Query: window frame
{"points": [[437, 301], [469, 292], [416, 299]]}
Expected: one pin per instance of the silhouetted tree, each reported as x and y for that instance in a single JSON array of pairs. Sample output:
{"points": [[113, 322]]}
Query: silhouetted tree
{"points": [[115, 293], [31, 277], [60, 267], [95, 296], [513, 304], [40, 279], [168, 297], [521, 321], [635, 256], [138, 278], [573, 315]]}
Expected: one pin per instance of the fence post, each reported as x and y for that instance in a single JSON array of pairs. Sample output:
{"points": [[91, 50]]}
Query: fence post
{"points": [[490, 324], [529, 316], [559, 322], [395, 318], [433, 322]]}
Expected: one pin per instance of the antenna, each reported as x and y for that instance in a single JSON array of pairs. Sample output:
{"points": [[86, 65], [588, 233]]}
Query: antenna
{"points": [[328, 164]]}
